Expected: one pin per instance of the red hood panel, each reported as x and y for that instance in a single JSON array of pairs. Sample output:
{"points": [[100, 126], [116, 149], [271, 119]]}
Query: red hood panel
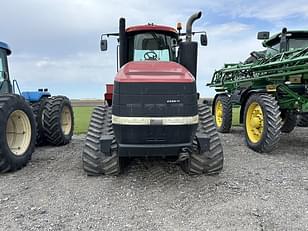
{"points": [[154, 72]]}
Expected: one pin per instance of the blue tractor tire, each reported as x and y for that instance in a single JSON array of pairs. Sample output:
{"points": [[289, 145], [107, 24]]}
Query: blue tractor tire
{"points": [[38, 109], [17, 133], [58, 120]]}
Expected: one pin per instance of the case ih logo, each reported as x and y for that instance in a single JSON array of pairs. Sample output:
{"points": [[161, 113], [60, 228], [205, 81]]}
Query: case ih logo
{"points": [[173, 101]]}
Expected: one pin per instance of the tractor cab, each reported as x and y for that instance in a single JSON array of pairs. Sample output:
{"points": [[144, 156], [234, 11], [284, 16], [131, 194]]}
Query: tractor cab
{"points": [[155, 43], [5, 85], [284, 41], [281, 42], [150, 42]]}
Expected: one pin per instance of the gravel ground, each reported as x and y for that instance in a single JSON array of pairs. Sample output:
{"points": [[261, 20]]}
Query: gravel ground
{"points": [[254, 192]]}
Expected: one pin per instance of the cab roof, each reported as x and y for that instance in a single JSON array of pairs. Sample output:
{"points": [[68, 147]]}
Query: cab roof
{"points": [[151, 27], [274, 39], [6, 47]]}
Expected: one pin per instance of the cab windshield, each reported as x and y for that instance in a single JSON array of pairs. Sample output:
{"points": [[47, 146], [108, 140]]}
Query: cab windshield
{"points": [[273, 50], [151, 46], [293, 44]]}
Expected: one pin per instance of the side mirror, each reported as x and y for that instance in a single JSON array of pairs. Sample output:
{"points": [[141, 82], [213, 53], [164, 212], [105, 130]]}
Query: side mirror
{"points": [[263, 35], [103, 44], [203, 39]]}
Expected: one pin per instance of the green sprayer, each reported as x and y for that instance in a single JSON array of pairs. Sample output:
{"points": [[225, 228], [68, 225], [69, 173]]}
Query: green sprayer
{"points": [[271, 88]]}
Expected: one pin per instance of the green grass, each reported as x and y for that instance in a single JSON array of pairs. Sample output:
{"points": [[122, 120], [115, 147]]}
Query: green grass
{"points": [[83, 115], [82, 119]]}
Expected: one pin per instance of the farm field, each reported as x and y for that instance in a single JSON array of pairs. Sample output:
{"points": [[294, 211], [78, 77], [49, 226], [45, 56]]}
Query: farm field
{"points": [[82, 119]]}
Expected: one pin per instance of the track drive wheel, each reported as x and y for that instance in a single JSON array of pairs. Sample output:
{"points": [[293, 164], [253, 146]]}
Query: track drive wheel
{"points": [[96, 162], [38, 109], [289, 120], [302, 120], [262, 122], [223, 113], [58, 120], [210, 162], [17, 133]]}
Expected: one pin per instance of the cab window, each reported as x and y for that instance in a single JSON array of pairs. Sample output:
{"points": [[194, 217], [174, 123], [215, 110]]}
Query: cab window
{"points": [[295, 43], [151, 46]]}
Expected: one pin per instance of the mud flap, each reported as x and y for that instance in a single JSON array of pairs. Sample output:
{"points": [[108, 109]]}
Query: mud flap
{"points": [[105, 142], [204, 142]]}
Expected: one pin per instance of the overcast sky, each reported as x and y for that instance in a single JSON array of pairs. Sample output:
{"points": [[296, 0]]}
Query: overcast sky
{"points": [[55, 43]]}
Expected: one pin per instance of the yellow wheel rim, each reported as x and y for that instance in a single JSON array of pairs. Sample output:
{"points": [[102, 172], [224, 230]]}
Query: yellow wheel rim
{"points": [[218, 113], [18, 132], [66, 121], [254, 122]]}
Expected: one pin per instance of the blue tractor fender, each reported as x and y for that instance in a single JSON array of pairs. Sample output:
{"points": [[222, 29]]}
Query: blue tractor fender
{"points": [[35, 96]]}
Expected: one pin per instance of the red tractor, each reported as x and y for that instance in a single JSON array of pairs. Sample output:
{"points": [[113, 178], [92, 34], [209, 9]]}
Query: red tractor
{"points": [[155, 110]]}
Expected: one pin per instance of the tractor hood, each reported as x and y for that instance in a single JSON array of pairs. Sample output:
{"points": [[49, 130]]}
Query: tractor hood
{"points": [[154, 89], [154, 72]]}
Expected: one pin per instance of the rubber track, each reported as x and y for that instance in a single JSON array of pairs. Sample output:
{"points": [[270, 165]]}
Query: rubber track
{"points": [[210, 162], [94, 161]]}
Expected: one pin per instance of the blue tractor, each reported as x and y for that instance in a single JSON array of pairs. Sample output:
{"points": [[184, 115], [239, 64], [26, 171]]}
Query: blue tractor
{"points": [[28, 119]]}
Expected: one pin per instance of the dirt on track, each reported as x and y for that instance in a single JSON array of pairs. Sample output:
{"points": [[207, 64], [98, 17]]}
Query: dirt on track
{"points": [[254, 192]]}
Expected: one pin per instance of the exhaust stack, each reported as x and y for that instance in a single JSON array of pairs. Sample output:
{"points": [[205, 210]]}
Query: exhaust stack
{"points": [[122, 42], [189, 24]]}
